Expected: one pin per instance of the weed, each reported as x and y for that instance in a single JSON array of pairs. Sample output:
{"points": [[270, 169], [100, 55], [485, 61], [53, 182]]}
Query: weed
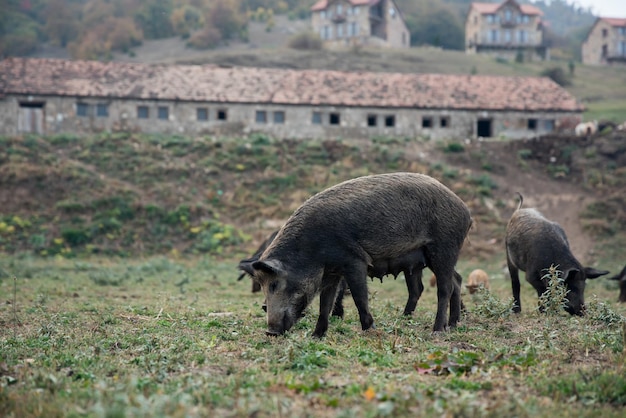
{"points": [[554, 299], [454, 147], [489, 306]]}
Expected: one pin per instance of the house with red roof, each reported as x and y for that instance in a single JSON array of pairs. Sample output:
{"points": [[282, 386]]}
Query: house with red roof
{"points": [[359, 23], [508, 29], [605, 43], [53, 96]]}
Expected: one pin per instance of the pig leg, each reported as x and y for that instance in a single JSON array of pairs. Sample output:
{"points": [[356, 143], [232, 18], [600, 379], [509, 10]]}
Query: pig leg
{"points": [[327, 300], [515, 285], [444, 271], [357, 283], [415, 287], [338, 308], [456, 304]]}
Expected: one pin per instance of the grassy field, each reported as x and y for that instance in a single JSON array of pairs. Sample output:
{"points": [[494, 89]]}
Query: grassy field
{"points": [[105, 337]]}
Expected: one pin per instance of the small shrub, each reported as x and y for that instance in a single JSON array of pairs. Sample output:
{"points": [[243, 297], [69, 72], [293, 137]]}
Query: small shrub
{"points": [[558, 75], [306, 41], [75, 237], [454, 147], [524, 154], [489, 306], [554, 299]]}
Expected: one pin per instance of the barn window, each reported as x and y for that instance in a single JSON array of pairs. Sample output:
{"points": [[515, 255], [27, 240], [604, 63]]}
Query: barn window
{"points": [[82, 109], [222, 114], [316, 118], [143, 112], [261, 116], [279, 117], [444, 121], [390, 121], [371, 120], [164, 112], [102, 110], [532, 124], [202, 113], [334, 119], [427, 122]]}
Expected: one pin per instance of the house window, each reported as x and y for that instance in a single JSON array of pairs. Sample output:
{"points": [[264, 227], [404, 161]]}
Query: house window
{"points": [[222, 114], [494, 35], [605, 33], [279, 117], [526, 19], [326, 32], [392, 12], [622, 48], [507, 36], [354, 29], [427, 122], [323, 14], [163, 112], [507, 15], [316, 118], [339, 8], [356, 10], [605, 50], [532, 124], [143, 112], [334, 119], [261, 116], [522, 36], [339, 31], [102, 110], [372, 120], [444, 121], [390, 121], [82, 109], [491, 18], [202, 113]]}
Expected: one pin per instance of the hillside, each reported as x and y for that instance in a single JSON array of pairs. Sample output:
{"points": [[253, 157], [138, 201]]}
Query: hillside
{"points": [[132, 194]]}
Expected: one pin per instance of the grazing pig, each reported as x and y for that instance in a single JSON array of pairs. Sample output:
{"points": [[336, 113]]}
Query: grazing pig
{"points": [[533, 244], [364, 226], [476, 279], [622, 284]]}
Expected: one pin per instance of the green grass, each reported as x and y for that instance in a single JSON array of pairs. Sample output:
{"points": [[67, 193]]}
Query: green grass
{"points": [[181, 337]]}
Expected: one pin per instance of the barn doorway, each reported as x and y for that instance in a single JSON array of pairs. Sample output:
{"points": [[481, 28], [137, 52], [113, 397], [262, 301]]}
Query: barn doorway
{"points": [[31, 117], [483, 128]]}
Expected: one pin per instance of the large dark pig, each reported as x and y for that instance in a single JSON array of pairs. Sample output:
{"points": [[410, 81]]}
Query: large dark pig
{"points": [[533, 244], [372, 224]]}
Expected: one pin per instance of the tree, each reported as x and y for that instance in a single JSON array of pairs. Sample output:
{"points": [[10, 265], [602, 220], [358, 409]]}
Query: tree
{"points": [[225, 16], [154, 19]]}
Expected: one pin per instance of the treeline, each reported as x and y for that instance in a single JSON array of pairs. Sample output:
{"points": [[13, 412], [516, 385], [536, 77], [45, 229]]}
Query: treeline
{"points": [[92, 29]]}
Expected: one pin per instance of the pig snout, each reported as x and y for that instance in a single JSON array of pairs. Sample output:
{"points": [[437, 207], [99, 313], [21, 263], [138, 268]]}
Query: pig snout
{"points": [[279, 323], [575, 310]]}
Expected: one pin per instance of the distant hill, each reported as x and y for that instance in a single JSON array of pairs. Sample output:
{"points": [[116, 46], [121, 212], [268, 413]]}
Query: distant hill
{"points": [[95, 29]]}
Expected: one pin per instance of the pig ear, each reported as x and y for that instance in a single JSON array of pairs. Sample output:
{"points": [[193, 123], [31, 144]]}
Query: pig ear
{"points": [[270, 266], [592, 273], [246, 266]]}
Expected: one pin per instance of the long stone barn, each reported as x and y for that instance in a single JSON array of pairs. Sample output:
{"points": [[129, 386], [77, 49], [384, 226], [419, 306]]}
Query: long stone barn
{"points": [[50, 96]]}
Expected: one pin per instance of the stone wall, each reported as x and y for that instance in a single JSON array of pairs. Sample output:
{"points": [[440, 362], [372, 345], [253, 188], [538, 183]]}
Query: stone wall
{"points": [[60, 116]]}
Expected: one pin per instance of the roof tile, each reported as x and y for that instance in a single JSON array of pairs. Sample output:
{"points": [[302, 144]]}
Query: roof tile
{"points": [[209, 83]]}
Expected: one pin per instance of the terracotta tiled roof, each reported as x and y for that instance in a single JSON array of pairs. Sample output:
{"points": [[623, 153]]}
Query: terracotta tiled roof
{"points": [[490, 8], [322, 4], [614, 21], [209, 83]]}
